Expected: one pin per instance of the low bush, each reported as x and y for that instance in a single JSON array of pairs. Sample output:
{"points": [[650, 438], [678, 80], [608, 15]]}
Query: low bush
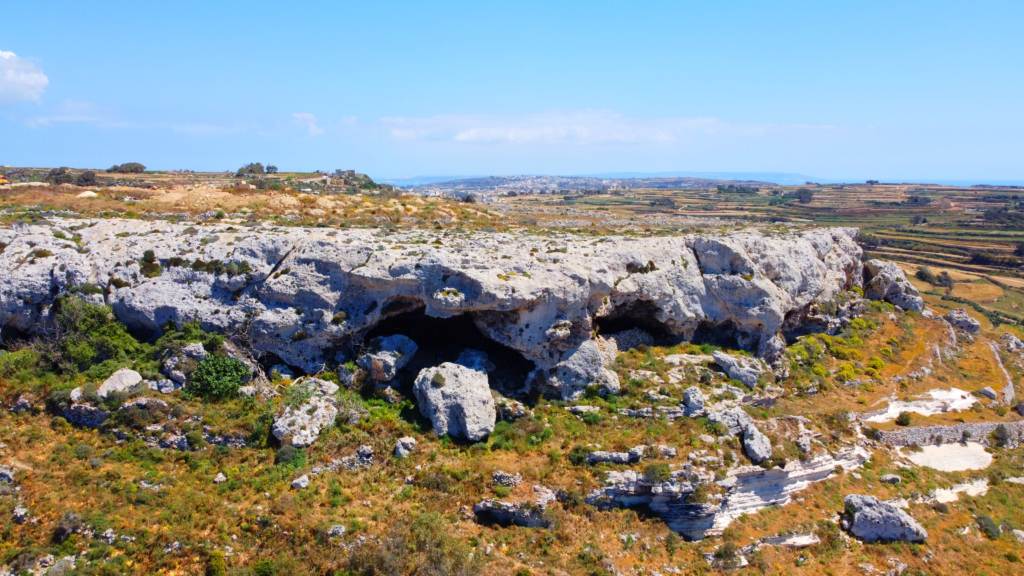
{"points": [[216, 378]]}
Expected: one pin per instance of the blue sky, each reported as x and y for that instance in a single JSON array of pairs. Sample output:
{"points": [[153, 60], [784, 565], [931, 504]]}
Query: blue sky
{"points": [[887, 90]]}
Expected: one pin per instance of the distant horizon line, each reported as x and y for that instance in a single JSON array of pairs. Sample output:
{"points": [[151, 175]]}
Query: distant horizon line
{"points": [[781, 178]]}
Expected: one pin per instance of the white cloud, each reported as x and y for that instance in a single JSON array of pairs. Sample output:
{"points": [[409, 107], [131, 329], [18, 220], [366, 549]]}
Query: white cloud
{"points": [[83, 111], [20, 80], [587, 127], [308, 122]]}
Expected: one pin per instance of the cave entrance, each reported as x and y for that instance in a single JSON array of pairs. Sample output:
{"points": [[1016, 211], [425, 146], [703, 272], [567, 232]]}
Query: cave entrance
{"points": [[442, 340], [640, 314], [721, 335]]}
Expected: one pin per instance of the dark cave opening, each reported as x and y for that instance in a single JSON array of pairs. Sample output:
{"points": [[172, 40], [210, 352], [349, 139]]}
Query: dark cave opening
{"points": [[442, 340], [721, 335], [640, 314]]}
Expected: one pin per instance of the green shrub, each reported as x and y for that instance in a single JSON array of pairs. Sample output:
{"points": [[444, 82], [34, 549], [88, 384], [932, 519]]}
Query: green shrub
{"points": [[658, 473], [989, 527], [502, 491], [14, 362], [216, 378], [216, 565], [190, 333], [90, 335], [903, 419], [195, 439], [264, 567], [289, 455], [578, 455], [1001, 436], [427, 545]]}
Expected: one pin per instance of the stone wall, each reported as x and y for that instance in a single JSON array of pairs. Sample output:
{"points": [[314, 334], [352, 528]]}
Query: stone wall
{"points": [[925, 435]]}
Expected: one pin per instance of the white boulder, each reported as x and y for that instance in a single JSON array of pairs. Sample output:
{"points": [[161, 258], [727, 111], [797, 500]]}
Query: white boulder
{"points": [[871, 520], [582, 368], [301, 426], [457, 401], [756, 445], [121, 381], [405, 446]]}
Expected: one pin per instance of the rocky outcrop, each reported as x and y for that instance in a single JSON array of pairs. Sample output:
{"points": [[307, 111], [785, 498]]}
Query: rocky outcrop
{"points": [[959, 318], [301, 425], [871, 520], [121, 381], [600, 456], [746, 370], [885, 280], [746, 490], [179, 366], [457, 401], [385, 356], [581, 369], [525, 514], [309, 295], [735, 420]]}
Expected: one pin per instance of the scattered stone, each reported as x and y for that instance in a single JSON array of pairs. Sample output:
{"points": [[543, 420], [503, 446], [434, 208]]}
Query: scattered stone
{"points": [[390, 396], [871, 520], [108, 536], [890, 479], [666, 452], [87, 194], [501, 478], [220, 478], [746, 370], [405, 446], [511, 410], [581, 410], [884, 280], [172, 547], [22, 404], [336, 531], [756, 445], [300, 482], [495, 511], [181, 364], [6, 475], [457, 400], [363, 458], [385, 356], [793, 541], [988, 392], [599, 456], [20, 514], [959, 318], [1019, 535]]}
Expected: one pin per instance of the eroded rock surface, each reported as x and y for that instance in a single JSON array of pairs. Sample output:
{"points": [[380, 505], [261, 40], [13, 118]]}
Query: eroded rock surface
{"points": [[746, 370], [884, 280], [309, 292], [959, 318]]}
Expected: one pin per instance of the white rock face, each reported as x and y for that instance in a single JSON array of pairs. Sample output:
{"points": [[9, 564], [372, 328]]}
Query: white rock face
{"points": [[959, 318], [756, 445], [885, 280], [120, 381], [301, 426], [388, 355], [457, 400], [693, 399], [746, 370], [301, 482], [872, 520], [310, 289]]}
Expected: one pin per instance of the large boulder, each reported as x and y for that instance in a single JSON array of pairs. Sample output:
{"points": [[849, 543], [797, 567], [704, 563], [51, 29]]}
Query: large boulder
{"points": [[385, 356], [884, 280], [959, 318], [121, 381], [756, 445], [871, 520], [457, 400], [582, 368], [746, 370], [693, 401]]}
